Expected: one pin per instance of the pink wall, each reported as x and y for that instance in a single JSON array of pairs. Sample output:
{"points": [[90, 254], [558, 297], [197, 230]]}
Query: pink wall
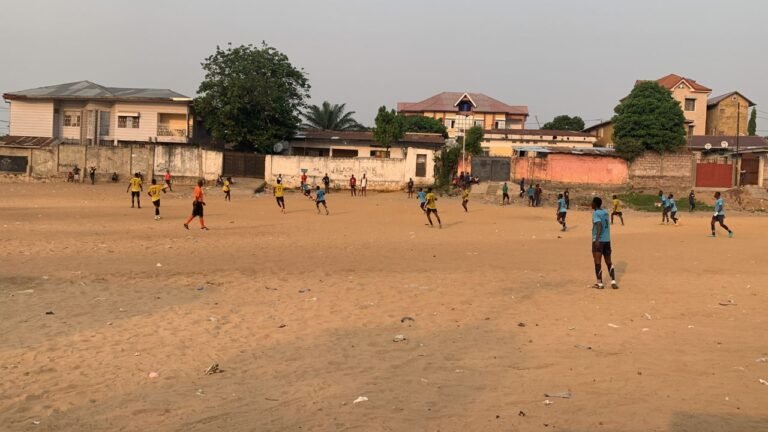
{"points": [[569, 168]]}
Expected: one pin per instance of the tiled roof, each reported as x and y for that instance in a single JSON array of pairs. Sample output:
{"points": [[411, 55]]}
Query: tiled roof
{"points": [[717, 99], [537, 132], [745, 142], [597, 126], [25, 141], [90, 90], [672, 80], [446, 101], [424, 139]]}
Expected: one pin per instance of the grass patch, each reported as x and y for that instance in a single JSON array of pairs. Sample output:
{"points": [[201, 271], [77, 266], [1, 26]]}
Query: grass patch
{"points": [[646, 202]]}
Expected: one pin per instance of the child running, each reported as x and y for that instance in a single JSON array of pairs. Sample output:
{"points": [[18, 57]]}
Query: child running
{"points": [[279, 192], [719, 216], [465, 199], [197, 207], [422, 197], [320, 199], [154, 194], [664, 208], [562, 211], [617, 210], [227, 188], [672, 207], [432, 208], [134, 185], [601, 244]]}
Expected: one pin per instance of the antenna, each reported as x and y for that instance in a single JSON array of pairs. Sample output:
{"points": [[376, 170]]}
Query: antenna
{"points": [[537, 121]]}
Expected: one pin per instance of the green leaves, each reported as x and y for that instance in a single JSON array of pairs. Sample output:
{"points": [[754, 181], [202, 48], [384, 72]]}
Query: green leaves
{"points": [[648, 119], [251, 96], [421, 124], [330, 117], [565, 122], [752, 125], [390, 127]]}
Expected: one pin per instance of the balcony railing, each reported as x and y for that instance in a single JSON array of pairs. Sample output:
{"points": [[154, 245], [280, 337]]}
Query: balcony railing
{"points": [[167, 131]]}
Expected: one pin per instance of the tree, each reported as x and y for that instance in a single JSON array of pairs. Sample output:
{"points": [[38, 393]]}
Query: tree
{"points": [[390, 127], [648, 119], [565, 122], [251, 96], [448, 159], [330, 117], [752, 126], [474, 139], [423, 124]]}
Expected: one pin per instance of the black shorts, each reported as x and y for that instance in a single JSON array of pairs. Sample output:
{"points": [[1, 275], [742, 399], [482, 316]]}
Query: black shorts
{"points": [[430, 211], [156, 203], [422, 204], [617, 213], [718, 218], [320, 202], [562, 215], [197, 209], [135, 194], [280, 201], [604, 248]]}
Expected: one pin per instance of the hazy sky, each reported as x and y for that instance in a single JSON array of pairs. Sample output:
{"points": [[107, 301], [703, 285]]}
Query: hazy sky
{"points": [[556, 56]]}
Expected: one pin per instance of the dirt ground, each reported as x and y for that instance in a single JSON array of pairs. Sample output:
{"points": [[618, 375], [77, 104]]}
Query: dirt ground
{"points": [[300, 312]]}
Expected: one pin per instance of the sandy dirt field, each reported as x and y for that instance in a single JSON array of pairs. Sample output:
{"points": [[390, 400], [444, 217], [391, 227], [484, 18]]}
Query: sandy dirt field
{"points": [[300, 312]]}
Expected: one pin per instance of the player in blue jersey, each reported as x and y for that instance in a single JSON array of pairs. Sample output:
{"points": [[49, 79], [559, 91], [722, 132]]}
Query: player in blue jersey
{"points": [[719, 215], [562, 211], [601, 243], [320, 199], [672, 208], [422, 197]]}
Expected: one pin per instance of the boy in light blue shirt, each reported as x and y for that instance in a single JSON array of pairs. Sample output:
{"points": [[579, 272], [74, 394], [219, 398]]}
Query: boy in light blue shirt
{"points": [[672, 204], [664, 208], [422, 197], [562, 211], [320, 199], [601, 243], [719, 215]]}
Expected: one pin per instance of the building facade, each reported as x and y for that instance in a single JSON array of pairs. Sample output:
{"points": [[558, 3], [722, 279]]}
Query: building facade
{"points": [[728, 114], [502, 142], [461, 111], [87, 113]]}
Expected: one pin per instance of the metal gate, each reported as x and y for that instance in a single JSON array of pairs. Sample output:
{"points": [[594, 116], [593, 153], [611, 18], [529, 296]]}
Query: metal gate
{"points": [[491, 168], [750, 169], [238, 164], [714, 175]]}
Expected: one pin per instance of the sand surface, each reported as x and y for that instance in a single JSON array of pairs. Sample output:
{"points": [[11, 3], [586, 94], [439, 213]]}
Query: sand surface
{"points": [[300, 311]]}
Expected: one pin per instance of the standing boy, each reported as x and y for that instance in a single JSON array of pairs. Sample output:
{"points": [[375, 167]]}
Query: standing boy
{"points": [[410, 188], [168, 180], [422, 197], [522, 187], [531, 193], [505, 194], [197, 206], [279, 192], [227, 188], [567, 196], [719, 215], [562, 211], [364, 185], [135, 186], [326, 182], [353, 185], [465, 199], [432, 208], [692, 201], [672, 207], [154, 192], [537, 196], [601, 244], [303, 180], [320, 199], [617, 210]]}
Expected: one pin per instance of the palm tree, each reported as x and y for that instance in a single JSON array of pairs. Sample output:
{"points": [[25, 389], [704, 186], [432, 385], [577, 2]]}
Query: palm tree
{"points": [[330, 117]]}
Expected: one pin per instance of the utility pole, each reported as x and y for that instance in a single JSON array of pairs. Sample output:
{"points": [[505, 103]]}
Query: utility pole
{"points": [[738, 156]]}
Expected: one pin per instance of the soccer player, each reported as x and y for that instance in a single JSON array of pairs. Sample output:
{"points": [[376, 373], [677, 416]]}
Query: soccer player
{"points": [[465, 199], [168, 180], [197, 206], [567, 196], [154, 192], [672, 207], [692, 201], [664, 208], [617, 210], [135, 186], [562, 211], [601, 244], [303, 180], [531, 192], [320, 199], [364, 185], [227, 188], [505, 194], [522, 187], [537, 196], [410, 188], [432, 208], [279, 192], [422, 197], [353, 185], [719, 215], [326, 182]]}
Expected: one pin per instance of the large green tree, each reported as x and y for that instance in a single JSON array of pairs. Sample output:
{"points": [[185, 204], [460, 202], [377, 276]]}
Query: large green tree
{"points": [[447, 161], [648, 119], [421, 124], [390, 127], [251, 96], [565, 122], [330, 117], [752, 125]]}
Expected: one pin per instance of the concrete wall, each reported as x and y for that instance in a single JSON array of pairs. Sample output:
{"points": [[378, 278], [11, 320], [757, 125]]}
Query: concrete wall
{"points": [[383, 174], [31, 118], [574, 169], [186, 163], [667, 171]]}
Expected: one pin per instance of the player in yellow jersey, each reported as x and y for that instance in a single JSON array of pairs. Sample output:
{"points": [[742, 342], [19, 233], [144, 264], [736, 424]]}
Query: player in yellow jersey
{"points": [[617, 210], [136, 188], [227, 189], [279, 192], [465, 199], [154, 194], [432, 208]]}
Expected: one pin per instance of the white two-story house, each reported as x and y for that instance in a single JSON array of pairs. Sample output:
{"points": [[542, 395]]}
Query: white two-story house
{"points": [[91, 114]]}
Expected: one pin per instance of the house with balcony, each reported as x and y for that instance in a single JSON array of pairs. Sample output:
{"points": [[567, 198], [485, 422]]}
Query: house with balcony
{"points": [[461, 111], [87, 113]]}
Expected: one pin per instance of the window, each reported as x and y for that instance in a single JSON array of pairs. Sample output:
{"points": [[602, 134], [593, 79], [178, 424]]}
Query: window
{"points": [[421, 165], [722, 111], [479, 123], [465, 106], [499, 124], [690, 104], [126, 122], [72, 118], [450, 124], [382, 154], [690, 130]]}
